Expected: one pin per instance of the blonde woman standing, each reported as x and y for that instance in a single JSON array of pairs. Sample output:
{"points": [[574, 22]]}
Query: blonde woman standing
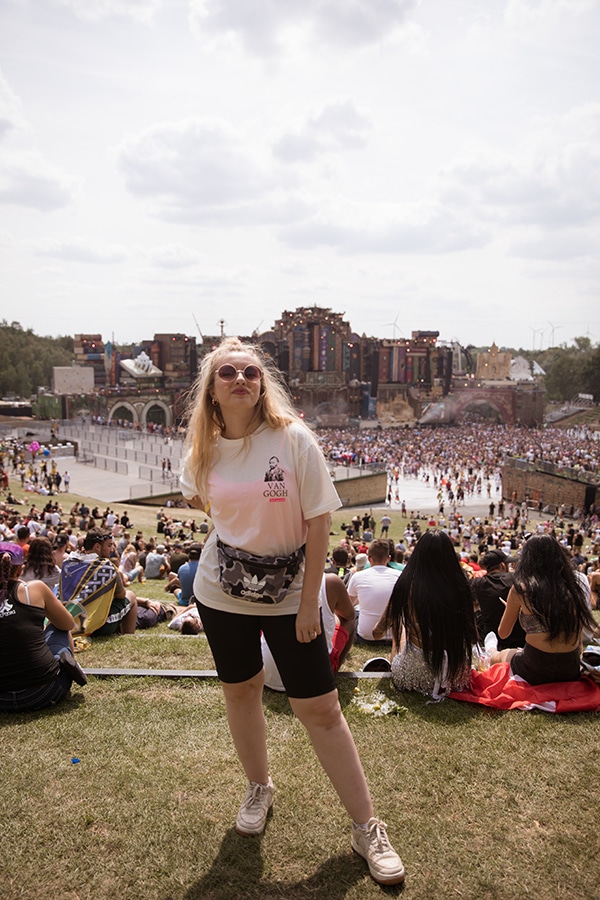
{"points": [[256, 469]]}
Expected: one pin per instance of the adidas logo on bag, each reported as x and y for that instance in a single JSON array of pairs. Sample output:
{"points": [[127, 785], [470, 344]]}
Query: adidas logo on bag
{"points": [[253, 587]]}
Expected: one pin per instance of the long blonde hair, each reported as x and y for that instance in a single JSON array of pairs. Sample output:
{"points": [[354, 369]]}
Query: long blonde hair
{"points": [[205, 423]]}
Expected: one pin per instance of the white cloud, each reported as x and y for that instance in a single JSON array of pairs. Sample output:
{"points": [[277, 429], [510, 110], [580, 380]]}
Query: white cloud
{"points": [[28, 180], [228, 281], [81, 250], [520, 13], [357, 229], [173, 256], [95, 10], [11, 109], [556, 246], [337, 127], [265, 26], [552, 179], [200, 171], [356, 23], [254, 165]]}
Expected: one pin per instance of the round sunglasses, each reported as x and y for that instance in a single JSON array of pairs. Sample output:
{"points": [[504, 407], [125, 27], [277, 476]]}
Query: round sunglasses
{"points": [[227, 372]]}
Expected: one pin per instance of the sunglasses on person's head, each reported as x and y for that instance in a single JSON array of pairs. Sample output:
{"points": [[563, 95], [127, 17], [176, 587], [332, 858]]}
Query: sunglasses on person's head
{"points": [[227, 372]]}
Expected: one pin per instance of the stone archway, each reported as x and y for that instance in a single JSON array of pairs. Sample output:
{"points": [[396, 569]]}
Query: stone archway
{"points": [[157, 412], [485, 409], [499, 399], [123, 410]]}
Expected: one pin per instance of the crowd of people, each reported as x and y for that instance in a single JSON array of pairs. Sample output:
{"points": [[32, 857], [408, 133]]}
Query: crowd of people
{"points": [[49, 537], [458, 449]]}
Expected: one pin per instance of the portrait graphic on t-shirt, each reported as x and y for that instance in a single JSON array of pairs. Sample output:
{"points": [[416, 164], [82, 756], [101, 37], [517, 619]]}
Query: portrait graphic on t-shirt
{"points": [[274, 472], [276, 492]]}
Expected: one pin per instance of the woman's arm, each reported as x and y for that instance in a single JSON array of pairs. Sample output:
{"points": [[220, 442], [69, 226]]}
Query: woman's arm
{"points": [[308, 620], [340, 603], [41, 596], [511, 613], [380, 628]]}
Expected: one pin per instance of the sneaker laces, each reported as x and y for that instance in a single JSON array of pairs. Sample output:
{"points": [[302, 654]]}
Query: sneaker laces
{"points": [[255, 791], [378, 835]]}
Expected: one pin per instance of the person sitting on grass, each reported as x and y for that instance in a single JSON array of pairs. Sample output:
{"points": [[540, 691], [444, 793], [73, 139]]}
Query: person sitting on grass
{"points": [[548, 600], [187, 574], [91, 579], [370, 590], [157, 563], [37, 666], [432, 620], [129, 566], [40, 565]]}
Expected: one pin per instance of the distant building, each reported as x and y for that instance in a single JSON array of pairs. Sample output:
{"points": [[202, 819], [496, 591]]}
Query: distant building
{"points": [[493, 365], [90, 351]]}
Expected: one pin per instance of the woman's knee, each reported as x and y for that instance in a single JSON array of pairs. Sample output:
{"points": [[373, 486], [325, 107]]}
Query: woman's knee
{"points": [[244, 691], [502, 655], [323, 711]]}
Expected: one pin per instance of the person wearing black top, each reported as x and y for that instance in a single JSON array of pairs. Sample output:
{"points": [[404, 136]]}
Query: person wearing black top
{"points": [[490, 592]]}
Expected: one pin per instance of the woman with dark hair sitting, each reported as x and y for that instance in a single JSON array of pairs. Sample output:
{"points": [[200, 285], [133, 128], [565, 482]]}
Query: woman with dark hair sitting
{"points": [[431, 617], [549, 601], [36, 664], [40, 565]]}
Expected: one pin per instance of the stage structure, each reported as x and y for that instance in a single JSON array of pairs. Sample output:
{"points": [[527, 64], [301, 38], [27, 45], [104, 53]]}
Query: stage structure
{"points": [[335, 376]]}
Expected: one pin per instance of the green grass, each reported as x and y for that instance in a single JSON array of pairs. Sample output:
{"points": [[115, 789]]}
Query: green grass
{"points": [[480, 803]]}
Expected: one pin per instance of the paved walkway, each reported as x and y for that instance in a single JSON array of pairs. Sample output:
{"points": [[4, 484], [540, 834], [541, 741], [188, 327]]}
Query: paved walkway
{"points": [[108, 487]]}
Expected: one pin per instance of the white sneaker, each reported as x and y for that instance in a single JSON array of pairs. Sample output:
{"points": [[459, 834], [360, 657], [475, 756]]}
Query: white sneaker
{"points": [[372, 844], [252, 817]]}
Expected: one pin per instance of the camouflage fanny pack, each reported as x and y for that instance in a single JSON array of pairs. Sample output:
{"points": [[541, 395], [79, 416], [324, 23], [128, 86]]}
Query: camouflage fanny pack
{"points": [[258, 579]]}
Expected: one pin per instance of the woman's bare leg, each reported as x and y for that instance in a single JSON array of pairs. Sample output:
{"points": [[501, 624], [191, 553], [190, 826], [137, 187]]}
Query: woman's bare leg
{"points": [[247, 725], [502, 655], [334, 745]]}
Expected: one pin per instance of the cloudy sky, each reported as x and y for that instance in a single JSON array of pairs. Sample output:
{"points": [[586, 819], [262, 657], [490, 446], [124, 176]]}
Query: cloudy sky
{"points": [[167, 164]]}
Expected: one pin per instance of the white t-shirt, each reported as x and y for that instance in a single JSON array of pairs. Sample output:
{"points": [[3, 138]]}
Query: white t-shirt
{"points": [[372, 589], [261, 493]]}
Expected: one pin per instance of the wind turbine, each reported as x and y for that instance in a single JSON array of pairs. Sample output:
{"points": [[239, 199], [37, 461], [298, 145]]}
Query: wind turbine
{"points": [[536, 331], [198, 327], [553, 327], [394, 325]]}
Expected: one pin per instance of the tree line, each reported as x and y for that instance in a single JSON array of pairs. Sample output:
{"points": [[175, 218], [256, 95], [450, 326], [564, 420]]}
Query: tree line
{"points": [[27, 360], [570, 369]]}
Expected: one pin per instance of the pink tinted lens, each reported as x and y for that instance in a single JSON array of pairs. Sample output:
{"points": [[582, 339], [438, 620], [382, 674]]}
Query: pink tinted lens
{"points": [[228, 372]]}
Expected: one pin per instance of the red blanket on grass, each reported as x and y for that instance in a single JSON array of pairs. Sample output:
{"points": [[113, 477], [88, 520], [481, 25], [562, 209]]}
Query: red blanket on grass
{"points": [[498, 688]]}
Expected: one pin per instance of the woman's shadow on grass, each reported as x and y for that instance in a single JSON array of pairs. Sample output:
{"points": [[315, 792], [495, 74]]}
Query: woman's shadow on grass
{"points": [[236, 874]]}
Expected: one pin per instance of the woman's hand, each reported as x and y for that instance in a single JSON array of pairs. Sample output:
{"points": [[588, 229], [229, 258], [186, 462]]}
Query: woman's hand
{"points": [[308, 618], [308, 623]]}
